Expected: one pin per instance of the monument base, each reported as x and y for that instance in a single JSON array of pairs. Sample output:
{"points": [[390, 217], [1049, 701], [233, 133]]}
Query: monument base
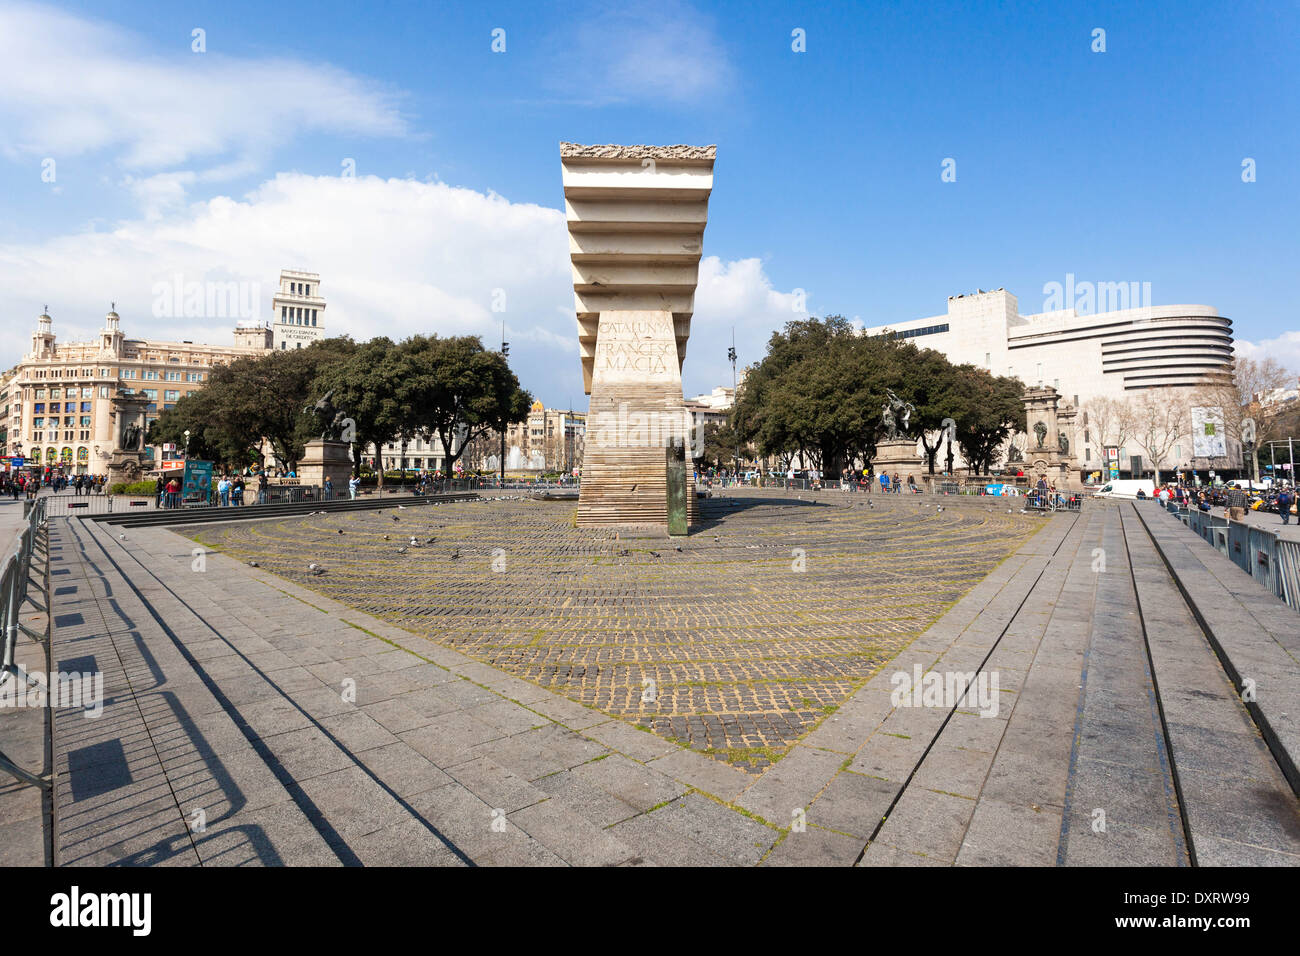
{"points": [[125, 467], [1059, 470], [898, 456], [326, 459], [636, 415]]}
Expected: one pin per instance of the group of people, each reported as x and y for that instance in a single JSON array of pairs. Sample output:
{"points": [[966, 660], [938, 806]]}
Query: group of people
{"points": [[22, 484], [1278, 500]]}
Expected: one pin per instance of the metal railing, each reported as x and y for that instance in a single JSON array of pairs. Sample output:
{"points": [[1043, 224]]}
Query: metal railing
{"points": [[1266, 556], [16, 585]]}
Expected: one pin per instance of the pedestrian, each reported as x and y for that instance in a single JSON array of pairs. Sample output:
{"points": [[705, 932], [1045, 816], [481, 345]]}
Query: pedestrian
{"points": [[884, 483], [329, 488], [262, 485], [1284, 502], [223, 491], [237, 491], [354, 485]]}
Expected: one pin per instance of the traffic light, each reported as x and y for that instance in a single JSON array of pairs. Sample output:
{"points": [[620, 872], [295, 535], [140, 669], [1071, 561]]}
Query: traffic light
{"points": [[505, 349]]}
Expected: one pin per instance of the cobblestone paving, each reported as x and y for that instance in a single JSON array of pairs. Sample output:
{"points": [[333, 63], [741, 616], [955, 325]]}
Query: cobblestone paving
{"points": [[735, 641]]}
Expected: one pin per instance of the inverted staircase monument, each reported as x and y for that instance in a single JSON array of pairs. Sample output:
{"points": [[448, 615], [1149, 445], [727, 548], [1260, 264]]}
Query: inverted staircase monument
{"points": [[636, 218]]}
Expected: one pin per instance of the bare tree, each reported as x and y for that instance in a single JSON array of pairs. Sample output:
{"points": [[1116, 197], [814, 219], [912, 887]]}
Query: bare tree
{"points": [[1243, 392], [1160, 421]]}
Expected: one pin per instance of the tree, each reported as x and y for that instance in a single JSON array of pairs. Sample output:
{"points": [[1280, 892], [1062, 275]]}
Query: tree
{"points": [[252, 401], [456, 390], [1245, 391], [987, 409], [365, 390], [720, 447], [1160, 421]]}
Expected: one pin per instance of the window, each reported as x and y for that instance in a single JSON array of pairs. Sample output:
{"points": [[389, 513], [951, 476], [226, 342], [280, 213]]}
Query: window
{"points": [[127, 373], [40, 393], [85, 421], [284, 313], [54, 392], [103, 391], [38, 408], [85, 406], [38, 422], [151, 375], [173, 376], [171, 395]]}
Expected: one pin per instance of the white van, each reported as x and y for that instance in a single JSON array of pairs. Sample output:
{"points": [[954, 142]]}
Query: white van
{"points": [[1126, 488]]}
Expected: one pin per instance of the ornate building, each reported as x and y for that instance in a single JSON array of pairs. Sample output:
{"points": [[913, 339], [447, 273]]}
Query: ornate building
{"points": [[55, 404]]}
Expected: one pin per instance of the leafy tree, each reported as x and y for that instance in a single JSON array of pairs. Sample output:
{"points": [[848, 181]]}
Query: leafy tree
{"points": [[365, 389], [250, 401], [446, 385], [987, 410]]}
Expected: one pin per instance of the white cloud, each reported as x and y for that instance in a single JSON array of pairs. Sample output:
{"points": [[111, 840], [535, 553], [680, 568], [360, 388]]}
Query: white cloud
{"points": [[1285, 350], [396, 257], [665, 51], [70, 85], [732, 294]]}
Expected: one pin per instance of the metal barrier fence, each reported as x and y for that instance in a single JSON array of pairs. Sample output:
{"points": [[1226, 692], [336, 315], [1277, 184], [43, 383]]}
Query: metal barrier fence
{"points": [[15, 586], [1060, 501], [1263, 554]]}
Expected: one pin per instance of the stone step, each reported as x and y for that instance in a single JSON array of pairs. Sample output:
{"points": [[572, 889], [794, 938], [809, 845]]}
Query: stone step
{"points": [[1237, 806], [1255, 636]]}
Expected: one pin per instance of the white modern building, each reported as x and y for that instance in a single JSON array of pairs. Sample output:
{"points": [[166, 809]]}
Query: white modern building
{"points": [[1084, 356]]}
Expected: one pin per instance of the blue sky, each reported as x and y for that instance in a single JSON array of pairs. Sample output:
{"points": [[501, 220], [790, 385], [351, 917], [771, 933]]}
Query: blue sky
{"points": [[1117, 166]]}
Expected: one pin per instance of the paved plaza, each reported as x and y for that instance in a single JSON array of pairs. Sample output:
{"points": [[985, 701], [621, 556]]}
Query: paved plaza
{"points": [[253, 716], [735, 641]]}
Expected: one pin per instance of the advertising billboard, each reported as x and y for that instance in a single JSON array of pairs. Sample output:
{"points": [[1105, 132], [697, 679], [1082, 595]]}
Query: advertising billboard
{"points": [[1208, 435]]}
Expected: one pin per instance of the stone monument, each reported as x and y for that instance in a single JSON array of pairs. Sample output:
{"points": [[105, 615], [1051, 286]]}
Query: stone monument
{"points": [[895, 451], [636, 218], [1047, 454], [327, 456], [129, 425]]}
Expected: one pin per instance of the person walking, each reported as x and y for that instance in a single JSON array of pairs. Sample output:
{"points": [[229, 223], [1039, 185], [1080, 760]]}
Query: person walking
{"points": [[329, 489], [354, 485], [1285, 499], [884, 483]]}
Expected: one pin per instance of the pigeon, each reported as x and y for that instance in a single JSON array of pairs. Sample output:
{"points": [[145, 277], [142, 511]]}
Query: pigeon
{"points": [[122, 537], [386, 537], [315, 568], [340, 530], [429, 540], [401, 507], [456, 555], [252, 564], [654, 554], [395, 518], [678, 548], [401, 551]]}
